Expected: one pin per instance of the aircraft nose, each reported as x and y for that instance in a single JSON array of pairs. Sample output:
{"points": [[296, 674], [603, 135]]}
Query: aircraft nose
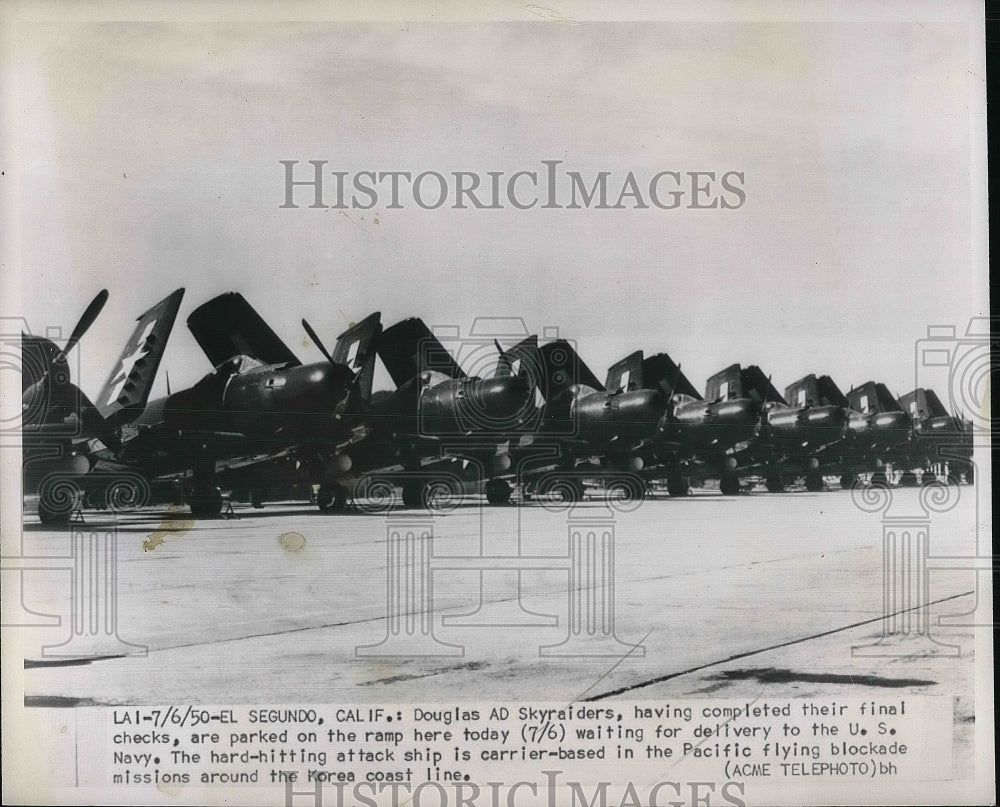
{"points": [[334, 380], [651, 405], [33, 404], [502, 400], [738, 413], [891, 421]]}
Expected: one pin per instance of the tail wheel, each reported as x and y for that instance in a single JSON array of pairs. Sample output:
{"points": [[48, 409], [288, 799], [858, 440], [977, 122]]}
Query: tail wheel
{"points": [[774, 483], [498, 491], [729, 485], [678, 486], [847, 481], [814, 483], [331, 497]]}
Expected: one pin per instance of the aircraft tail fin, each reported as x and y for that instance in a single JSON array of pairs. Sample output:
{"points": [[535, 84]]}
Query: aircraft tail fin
{"points": [[872, 397], [923, 404], [127, 389], [743, 382], [650, 372], [228, 326], [356, 347], [563, 368], [626, 374], [410, 348], [815, 390]]}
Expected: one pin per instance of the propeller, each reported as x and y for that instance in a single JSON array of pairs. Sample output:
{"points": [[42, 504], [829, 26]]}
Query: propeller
{"points": [[91, 314], [317, 341], [349, 400], [85, 322], [504, 358]]}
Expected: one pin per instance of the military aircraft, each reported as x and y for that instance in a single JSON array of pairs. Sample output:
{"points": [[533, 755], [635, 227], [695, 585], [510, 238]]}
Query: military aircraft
{"points": [[696, 438], [438, 419], [261, 409], [584, 429], [64, 433], [879, 429], [940, 438], [814, 429]]}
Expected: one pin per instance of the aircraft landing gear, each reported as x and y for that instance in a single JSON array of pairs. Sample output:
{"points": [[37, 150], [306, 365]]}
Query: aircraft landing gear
{"points": [[413, 494], [498, 491], [625, 490], [775, 484], [569, 490], [847, 481], [678, 486], [814, 483], [729, 485], [331, 497], [57, 500], [205, 501]]}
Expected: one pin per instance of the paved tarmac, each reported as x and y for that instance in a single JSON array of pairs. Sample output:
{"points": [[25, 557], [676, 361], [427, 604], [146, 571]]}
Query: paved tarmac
{"points": [[761, 595]]}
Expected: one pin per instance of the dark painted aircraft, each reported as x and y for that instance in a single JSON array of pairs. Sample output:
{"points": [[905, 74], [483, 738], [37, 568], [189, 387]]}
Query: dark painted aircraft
{"points": [[260, 403], [438, 419], [940, 439], [584, 429], [696, 438], [64, 433]]}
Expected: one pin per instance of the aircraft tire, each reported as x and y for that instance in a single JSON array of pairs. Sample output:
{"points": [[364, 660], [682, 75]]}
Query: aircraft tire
{"points": [[814, 483], [56, 501], [498, 491], [774, 483], [52, 515], [413, 494], [847, 481], [206, 502], [678, 486], [729, 485], [331, 497]]}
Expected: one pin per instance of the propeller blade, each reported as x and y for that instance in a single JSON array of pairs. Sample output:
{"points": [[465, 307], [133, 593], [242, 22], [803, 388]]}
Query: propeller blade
{"points": [[84, 324], [317, 342]]}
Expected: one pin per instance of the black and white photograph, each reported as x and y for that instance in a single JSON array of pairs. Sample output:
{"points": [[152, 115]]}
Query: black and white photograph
{"points": [[454, 404]]}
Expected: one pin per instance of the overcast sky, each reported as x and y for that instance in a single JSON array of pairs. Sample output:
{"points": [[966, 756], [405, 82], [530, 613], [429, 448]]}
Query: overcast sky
{"points": [[148, 158]]}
